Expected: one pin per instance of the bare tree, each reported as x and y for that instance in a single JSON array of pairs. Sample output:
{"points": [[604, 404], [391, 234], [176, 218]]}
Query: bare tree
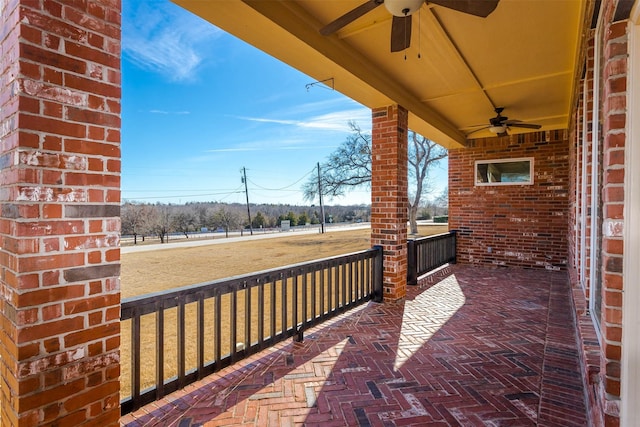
{"points": [[184, 221], [226, 218], [346, 168], [442, 201], [159, 221], [423, 154], [349, 167], [133, 219]]}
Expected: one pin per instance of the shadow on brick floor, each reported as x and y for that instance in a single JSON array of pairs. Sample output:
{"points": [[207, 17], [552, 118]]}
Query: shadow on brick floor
{"points": [[468, 346]]}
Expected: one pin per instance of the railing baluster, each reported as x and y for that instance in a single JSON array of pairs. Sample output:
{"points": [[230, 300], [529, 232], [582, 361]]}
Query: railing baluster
{"points": [[200, 306], [135, 361], [260, 314], [304, 299], [273, 310], [322, 293], [314, 290], [181, 343], [350, 284], [365, 279], [329, 289], [217, 322], [285, 280], [247, 316], [294, 302], [359, 281], [344, 285], [364, 283], [233, 323], [159, 350], [336, 283]]}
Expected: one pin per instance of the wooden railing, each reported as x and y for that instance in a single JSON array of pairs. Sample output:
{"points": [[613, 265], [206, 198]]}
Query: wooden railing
{"points": [[173, 338], [428, 253]]}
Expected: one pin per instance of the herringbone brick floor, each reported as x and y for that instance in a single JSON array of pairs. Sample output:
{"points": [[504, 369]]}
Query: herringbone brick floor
{"points": [[469, 346]]}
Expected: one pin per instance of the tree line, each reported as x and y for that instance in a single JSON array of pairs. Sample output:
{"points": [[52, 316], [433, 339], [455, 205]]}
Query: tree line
{"points": [[160, 220]]}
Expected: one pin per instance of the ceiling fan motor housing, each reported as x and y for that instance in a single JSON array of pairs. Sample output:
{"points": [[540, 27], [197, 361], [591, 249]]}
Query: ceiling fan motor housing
{"points": [[498, 120], [403, 7]]}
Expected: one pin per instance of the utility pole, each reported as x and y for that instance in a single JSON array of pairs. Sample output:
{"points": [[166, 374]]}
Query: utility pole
{"points": [[321, 205], [246, 192]]}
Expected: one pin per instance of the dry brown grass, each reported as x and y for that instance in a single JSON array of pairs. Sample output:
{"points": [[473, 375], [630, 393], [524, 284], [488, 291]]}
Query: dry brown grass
{"points": [[152, 271]]}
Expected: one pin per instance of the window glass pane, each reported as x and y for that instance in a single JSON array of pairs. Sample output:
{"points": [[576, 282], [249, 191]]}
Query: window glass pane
{"points": [[504, 171]]}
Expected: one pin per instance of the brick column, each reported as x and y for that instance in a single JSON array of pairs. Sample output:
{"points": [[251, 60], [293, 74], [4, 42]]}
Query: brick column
{"points": [[614, 126], [59, 217], [389, 201]]}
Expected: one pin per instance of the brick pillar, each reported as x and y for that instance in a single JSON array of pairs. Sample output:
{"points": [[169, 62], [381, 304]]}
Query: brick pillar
{"points": [[614, 126], [59, 216], [389, 201]]}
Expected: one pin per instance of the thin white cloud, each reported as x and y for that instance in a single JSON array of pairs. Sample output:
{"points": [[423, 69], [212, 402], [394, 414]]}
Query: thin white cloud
{"points": [[337, 121], [178, 113], [161, 37], [233, 150], [318, 130], [266, 147], [337, 103]]}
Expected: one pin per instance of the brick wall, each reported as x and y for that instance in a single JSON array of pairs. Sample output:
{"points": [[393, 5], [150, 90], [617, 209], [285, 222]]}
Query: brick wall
{"points": [[513, 225], [59, 221], [389, 199]]}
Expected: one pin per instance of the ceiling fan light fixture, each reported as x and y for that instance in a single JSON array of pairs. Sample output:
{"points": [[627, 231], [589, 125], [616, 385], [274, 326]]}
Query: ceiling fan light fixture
{"points": [[403, 7], [498, 129]]}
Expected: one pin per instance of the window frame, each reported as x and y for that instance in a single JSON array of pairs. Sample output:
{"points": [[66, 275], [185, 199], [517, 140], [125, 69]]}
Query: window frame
{"points": [[504, 160]]}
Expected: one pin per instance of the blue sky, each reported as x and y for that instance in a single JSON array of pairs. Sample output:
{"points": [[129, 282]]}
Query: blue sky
{"points": [[198, 105]]}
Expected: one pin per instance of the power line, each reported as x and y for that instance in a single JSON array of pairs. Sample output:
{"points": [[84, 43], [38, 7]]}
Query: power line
{"points": [[227, 193], [285, 187], [219, 192]]}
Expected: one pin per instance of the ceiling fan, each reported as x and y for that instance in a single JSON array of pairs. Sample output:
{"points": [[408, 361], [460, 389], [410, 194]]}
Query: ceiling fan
{"points": [[402, 11], [500, 124]]}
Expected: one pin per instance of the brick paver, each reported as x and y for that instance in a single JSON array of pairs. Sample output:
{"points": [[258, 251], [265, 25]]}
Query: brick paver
{"points": [[469, 346]]}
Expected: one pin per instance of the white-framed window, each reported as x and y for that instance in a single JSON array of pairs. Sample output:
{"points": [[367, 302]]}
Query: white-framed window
{"points": [[504, 171]]}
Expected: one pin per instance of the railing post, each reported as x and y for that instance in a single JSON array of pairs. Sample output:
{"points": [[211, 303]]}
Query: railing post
{"points": [[378, 271], [454, 249], [412, 264]]}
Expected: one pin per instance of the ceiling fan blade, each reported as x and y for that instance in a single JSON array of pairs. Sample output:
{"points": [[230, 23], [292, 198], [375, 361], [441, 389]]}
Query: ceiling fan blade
{"points": [[349, 17], [481, 8], [400, 33], [523, 125], [478, 130]]}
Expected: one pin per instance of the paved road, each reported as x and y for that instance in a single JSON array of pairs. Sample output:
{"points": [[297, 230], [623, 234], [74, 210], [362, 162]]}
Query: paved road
{"points": [[188, 243]]}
